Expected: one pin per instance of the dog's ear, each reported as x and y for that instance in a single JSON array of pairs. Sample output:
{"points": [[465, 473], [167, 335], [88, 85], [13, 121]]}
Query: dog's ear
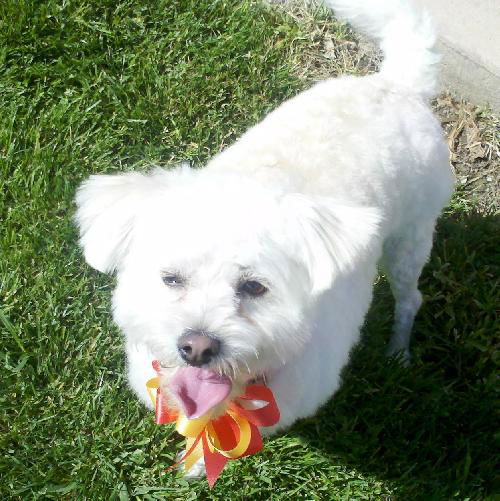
{"points": [[107, 206], [330, 237]]}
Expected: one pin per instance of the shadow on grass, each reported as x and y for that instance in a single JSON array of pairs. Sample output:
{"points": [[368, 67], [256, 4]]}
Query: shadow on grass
{"points": [[428, 429]]}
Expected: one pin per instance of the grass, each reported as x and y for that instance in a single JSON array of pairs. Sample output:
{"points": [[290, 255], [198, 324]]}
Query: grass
{"points": [[93, 86]]}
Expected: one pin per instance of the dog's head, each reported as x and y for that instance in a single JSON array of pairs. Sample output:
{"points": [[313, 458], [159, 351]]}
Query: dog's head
{"points": [[215, 270]]}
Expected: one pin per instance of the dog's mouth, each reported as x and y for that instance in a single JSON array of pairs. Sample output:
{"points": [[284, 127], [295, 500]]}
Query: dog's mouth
{"points": [[237, 377], [199, 390]]}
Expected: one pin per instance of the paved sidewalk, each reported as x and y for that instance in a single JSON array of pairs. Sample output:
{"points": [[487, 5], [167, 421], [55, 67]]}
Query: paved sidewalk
{"points": [[469, 40]]}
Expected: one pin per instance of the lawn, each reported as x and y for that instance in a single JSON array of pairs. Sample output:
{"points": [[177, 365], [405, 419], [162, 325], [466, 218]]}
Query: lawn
{"points": [[91, 86]]}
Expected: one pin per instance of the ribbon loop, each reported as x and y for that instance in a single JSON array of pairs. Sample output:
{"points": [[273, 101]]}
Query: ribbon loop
{"points": [[233, 435]]}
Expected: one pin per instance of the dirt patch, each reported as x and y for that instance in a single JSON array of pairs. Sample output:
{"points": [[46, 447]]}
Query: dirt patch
{"points": [[474, 142]]}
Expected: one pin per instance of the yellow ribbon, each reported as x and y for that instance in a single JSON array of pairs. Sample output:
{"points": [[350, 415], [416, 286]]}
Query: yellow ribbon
{"points": [[193, 428], [243, 442], [152, 386]]}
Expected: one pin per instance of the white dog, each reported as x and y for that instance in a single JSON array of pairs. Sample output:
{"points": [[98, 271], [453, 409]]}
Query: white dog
{"points": [[261, 265]]}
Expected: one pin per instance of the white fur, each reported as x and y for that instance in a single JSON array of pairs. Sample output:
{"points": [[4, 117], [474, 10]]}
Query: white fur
{"points": [[350, 173]]}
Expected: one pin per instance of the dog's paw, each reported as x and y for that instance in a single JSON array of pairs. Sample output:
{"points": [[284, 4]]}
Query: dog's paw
{"points": [[196, 472], [403, 356]]}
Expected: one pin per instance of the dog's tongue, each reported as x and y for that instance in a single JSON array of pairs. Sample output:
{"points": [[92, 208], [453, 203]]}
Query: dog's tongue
{"points": [[199, 390]]}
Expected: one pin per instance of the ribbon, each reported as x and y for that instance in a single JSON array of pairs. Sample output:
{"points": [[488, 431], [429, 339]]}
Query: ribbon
{"points": [[233, 435]]}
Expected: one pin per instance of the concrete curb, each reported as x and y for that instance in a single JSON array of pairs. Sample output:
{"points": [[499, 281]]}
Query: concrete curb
{"points": [[469, 41]]}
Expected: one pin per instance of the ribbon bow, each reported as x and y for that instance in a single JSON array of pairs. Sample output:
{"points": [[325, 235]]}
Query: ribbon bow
{"points": [[233, 435]]}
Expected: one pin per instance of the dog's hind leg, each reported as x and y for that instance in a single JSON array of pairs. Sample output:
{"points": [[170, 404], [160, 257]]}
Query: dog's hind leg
{"points": [[404, 255]]}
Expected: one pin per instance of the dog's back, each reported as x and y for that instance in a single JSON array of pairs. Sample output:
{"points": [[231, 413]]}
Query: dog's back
{"points": [[369, 140]]}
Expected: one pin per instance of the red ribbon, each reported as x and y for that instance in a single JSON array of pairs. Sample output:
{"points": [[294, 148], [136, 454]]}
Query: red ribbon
{"points": [[233, 435]]}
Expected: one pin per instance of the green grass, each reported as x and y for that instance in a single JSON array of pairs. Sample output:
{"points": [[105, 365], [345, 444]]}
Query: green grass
{"points": [[92, 86]]}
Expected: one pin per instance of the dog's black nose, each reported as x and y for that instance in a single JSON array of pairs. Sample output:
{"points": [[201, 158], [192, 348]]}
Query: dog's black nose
{"points": [[197, 348]]}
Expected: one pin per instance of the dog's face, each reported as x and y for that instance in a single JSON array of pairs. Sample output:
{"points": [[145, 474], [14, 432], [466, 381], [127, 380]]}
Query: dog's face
{"points": [[198, 253]]}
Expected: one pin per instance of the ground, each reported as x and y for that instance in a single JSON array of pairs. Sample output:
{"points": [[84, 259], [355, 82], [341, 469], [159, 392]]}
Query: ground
{"points": [[104, 85]]}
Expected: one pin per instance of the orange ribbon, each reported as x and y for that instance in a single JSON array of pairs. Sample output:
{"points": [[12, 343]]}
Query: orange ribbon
{"points": [[233, 435]]}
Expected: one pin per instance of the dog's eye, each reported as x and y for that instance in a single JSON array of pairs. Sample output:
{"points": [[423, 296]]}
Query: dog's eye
{"points": [[252, 288], [172, 279]]}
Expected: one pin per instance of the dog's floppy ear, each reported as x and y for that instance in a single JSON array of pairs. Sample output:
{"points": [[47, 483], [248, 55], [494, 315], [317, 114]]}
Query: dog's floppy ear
{"points": [[331, 237], [106, 208]]}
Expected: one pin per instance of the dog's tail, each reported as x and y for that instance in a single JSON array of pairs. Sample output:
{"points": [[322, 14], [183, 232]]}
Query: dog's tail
{"points": [[405, 35]]}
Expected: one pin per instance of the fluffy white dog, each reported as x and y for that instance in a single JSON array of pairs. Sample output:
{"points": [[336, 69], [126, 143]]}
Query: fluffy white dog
{"points": [[261, 265]]}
